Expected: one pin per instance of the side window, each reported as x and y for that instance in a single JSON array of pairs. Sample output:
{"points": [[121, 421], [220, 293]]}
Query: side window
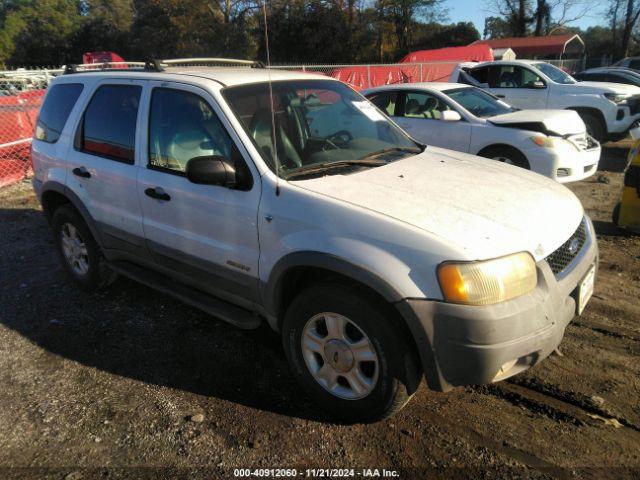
{"points": [[183, 126], [423, 105], [109, 123], [385, 101], [55, 111], [635, 64], [514, 76], [481, 74]]}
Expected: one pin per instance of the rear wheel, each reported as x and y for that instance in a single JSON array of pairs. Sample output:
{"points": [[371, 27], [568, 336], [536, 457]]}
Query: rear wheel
{"points": [[346, 354], [506, 154], [79, 251], [595, 128]]}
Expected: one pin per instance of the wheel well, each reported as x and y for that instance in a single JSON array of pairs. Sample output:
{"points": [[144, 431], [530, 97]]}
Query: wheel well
{"points": [[51, 201], [591, 111], [504, 146], [297, 279]]}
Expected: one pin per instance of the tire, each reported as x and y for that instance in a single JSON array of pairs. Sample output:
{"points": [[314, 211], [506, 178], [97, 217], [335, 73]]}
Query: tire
{"points": [[615, 215], [506, 154], [390, 380], [85, 264], [595, 128]]}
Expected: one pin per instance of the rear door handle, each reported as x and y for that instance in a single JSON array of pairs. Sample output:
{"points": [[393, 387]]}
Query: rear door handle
{"points": [[500, 96], [81, 172], [158, 193]]}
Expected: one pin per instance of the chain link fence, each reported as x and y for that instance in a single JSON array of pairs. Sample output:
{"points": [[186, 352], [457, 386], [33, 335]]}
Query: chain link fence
{"points": [[22, 91]]}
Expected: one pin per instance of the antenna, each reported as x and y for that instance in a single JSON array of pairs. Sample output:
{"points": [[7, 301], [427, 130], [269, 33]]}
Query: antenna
{"points": [[271, 105]]}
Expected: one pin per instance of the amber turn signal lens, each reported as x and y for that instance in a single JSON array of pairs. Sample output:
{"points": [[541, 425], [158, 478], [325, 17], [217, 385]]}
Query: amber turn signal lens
{"points": [[488, 282]]}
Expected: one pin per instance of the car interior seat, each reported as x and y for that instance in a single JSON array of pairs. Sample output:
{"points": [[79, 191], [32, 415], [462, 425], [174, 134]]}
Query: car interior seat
{"points": [[260, 130]]}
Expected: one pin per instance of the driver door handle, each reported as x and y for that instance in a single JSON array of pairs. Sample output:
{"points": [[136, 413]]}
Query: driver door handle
{"points": [[81, 172], [500, 96], [158, 193]]}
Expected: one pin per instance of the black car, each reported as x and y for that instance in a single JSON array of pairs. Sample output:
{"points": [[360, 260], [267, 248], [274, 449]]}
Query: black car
{"points": [[610, 74]]}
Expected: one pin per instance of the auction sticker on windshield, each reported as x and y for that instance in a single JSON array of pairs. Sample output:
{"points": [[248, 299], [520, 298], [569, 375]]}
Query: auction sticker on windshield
{"points": [[585, 290], [369, 110]]}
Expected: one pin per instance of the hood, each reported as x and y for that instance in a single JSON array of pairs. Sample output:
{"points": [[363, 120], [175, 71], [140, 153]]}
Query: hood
{"points": [[485, 208], [598, 88], [559, 122]]}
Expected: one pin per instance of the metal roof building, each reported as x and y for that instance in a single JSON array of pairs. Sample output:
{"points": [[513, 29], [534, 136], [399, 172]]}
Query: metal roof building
{"points": [[553, 46]]}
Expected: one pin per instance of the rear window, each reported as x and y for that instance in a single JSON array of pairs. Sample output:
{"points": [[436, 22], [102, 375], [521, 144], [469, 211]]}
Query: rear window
{"points": [[55, 111], [109, 122]]}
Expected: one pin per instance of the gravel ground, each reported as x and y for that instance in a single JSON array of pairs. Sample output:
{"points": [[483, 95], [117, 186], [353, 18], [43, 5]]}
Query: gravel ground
{"points": [[128, 383]]}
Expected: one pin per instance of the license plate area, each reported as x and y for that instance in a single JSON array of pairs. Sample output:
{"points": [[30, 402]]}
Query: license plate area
{"points": [[585, 289]]}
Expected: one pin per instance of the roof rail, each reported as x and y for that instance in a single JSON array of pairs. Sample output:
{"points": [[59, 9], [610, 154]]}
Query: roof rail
{"points": [[215, 61], [149, 65], [155, 65]]}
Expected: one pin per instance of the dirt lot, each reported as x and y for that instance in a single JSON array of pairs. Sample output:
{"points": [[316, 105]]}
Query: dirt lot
{"points": [[105, 385]]}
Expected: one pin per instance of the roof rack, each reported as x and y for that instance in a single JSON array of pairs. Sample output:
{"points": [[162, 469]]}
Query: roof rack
{"points": [[155, 65], [215, 61]]}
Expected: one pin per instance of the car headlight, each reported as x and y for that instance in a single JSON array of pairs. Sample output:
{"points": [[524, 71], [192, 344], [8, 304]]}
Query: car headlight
{"points": [[547, 142], [488, 282], [617, 98]]}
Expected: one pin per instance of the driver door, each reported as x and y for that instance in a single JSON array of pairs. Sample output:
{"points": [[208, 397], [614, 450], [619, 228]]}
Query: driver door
{"points": [[514, 84], [419, 113], [206, 235]]}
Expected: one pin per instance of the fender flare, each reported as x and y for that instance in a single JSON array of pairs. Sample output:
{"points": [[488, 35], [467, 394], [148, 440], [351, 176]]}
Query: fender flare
{"points": [[271, 290], [53, 186]]}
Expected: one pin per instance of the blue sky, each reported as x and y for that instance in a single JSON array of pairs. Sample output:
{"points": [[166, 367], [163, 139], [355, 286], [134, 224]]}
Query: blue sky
{"points": [[476, 11]]}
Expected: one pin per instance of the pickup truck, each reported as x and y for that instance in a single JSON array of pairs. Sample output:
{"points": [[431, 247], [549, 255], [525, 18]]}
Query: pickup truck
{"points": [[609, 110]]}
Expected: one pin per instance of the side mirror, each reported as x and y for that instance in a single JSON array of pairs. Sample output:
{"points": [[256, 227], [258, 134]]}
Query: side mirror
{"points": [[211, 170], [450, 116], [538, 85]]}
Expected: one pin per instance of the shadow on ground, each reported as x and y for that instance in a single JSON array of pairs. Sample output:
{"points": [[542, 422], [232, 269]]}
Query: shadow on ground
{"points": [[132, 331]]}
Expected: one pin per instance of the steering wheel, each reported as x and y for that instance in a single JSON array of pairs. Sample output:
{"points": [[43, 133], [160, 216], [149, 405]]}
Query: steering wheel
{"points": [[338, 139]]}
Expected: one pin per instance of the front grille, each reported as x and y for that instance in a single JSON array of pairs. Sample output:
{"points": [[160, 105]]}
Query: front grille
{"points": [[563, 256], [634, 104]]}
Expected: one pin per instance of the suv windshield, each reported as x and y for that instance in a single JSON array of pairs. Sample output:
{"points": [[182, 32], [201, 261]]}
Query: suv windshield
{"points": [[554, 73], [478, 102], [320, 125]]}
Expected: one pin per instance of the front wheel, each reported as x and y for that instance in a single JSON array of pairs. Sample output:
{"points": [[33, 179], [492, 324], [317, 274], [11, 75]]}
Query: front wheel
{"points": [[506, 154], [346, 353], [594, 126]]}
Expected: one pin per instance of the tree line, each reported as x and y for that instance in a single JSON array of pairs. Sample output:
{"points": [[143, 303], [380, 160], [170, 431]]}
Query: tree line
{"points": [[56, 32], [616, 37]]}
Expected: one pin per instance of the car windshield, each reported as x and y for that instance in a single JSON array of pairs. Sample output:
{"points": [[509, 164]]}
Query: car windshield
{"points": [[554, 73], [320, 126], [478, 102]]}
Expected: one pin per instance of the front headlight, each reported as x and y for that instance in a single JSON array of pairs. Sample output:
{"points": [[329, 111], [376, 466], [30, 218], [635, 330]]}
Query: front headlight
{"points": [[617, 98], [489, 281], [547, 142]]}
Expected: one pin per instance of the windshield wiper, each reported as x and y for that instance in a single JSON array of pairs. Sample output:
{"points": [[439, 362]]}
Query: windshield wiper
{"points": [[320, 167], [383, 151]]}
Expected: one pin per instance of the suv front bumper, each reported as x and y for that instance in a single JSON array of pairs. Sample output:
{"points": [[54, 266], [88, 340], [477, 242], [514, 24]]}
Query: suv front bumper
{"points": [[471, 345]]}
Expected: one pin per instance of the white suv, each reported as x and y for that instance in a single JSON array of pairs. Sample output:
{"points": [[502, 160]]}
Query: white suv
{"points": [[376, 260], [609, 110]]}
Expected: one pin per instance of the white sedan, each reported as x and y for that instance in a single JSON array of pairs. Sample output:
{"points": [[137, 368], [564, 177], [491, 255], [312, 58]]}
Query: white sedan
{"points": [[460, 117]]}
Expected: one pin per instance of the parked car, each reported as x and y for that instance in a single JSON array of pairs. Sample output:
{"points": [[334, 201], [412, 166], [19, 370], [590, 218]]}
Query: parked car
{"points": [[608, 109], [376, 260], [629, 62], [467, 119], [610, 75]]}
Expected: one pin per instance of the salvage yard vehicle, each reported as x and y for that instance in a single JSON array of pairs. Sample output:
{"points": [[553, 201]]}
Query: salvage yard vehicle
{"points": [[608, 109], [285, 197], [467, 119]]}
